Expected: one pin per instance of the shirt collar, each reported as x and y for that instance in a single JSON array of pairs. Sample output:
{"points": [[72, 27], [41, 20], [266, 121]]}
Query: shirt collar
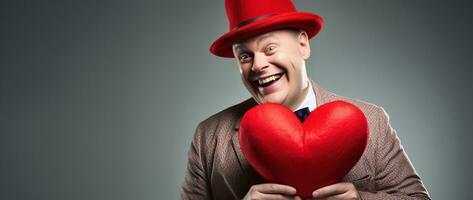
{"points": [[309, 100]]}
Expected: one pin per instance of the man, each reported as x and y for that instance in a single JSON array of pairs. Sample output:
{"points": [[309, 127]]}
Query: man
{"points": [[270, 41]]}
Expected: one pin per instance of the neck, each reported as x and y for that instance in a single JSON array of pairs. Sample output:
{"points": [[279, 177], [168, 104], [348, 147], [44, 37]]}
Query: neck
{"points": [[300, 101]]}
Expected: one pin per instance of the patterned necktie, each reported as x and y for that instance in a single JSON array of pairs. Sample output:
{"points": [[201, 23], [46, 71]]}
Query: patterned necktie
{"points": [[302, 113]]}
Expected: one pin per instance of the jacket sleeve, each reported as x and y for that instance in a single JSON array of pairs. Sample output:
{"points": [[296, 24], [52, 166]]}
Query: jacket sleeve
{"points": [[196, 183], [395, 176]]}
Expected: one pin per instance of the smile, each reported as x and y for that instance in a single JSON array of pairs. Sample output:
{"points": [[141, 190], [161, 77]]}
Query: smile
{"points": [[266, 81]]}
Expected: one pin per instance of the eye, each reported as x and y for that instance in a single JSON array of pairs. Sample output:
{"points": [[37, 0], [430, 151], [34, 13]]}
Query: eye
{"points": [[270, 49], [244, 58]]}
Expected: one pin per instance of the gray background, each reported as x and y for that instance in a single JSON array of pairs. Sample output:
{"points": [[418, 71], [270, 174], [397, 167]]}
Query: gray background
{"points": [[99, 99]]}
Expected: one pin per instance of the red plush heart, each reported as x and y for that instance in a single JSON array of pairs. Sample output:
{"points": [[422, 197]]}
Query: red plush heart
{"points": [[308, 155]]}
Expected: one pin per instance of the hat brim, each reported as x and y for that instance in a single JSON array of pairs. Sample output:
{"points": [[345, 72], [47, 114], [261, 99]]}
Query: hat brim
{"points": [[309, 22]]}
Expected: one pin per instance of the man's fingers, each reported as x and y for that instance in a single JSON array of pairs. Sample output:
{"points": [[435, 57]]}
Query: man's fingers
{"points": [[330, 190], [271, 188], [276, 197], [272, 191]]}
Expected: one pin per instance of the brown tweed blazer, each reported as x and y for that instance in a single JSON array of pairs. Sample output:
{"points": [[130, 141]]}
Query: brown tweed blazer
{"points": [[218, 170]]}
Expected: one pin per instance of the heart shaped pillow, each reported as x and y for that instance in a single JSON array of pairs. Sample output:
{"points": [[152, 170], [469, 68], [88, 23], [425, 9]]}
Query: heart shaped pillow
{"points": [[308, 155]]}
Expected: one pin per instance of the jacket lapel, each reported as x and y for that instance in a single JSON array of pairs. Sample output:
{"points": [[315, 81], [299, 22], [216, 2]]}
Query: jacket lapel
{"points": [[246, 170]]}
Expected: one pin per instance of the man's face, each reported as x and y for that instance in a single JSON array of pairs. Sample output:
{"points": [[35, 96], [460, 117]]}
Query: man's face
{"points": [[272, 66]]}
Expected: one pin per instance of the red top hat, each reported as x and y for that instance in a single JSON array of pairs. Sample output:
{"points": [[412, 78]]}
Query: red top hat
{"points": [[249, 18]]}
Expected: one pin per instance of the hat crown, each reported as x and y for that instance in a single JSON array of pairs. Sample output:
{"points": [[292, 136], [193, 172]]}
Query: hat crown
{"points": [[241, 11]]}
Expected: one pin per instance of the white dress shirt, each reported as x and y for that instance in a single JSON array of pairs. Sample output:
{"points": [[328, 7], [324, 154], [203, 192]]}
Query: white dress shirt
{"points": [[309, 100]]}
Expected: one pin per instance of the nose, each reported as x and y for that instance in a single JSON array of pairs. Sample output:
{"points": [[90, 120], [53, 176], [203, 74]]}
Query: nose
{"points": [[260, 62]]}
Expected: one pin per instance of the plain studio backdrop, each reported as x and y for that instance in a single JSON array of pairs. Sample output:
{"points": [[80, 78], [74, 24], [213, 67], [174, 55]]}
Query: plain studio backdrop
{"points": [[100, 99]]}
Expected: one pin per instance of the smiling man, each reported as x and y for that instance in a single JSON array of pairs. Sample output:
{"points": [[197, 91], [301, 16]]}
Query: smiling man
{"points": [[272, 66], [270, 41]]}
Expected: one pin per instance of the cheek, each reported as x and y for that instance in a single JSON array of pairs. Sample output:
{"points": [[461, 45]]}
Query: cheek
{"points": [[245, 75], [244, 71], [281, 61], [280, 57]]}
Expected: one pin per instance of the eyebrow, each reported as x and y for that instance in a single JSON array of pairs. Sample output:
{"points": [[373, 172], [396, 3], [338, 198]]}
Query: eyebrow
{"points": [[266, 36], [239, 47]]}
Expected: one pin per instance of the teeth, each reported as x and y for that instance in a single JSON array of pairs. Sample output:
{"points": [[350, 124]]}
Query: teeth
{"points": [[268, 79]]}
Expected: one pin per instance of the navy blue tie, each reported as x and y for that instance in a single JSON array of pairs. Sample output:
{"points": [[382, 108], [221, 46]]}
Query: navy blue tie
{"points": [[302, 113]]}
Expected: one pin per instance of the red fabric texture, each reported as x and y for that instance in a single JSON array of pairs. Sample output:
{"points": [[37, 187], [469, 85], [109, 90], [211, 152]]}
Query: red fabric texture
{"points": [[308, 155]]}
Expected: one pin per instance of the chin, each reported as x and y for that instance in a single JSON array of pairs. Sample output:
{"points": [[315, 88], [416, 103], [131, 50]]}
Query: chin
{"points": [[275, 98]]}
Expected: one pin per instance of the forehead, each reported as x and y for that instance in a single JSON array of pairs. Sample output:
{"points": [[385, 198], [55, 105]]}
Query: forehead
{"points": [[256, 40]]}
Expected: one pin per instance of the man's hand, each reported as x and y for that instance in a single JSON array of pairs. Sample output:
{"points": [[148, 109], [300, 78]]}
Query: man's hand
{"points": [[271, 191], [338, 191]]}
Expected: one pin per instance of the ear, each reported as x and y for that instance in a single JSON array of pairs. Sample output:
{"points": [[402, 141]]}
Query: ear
{"points": [[304, 46]]}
